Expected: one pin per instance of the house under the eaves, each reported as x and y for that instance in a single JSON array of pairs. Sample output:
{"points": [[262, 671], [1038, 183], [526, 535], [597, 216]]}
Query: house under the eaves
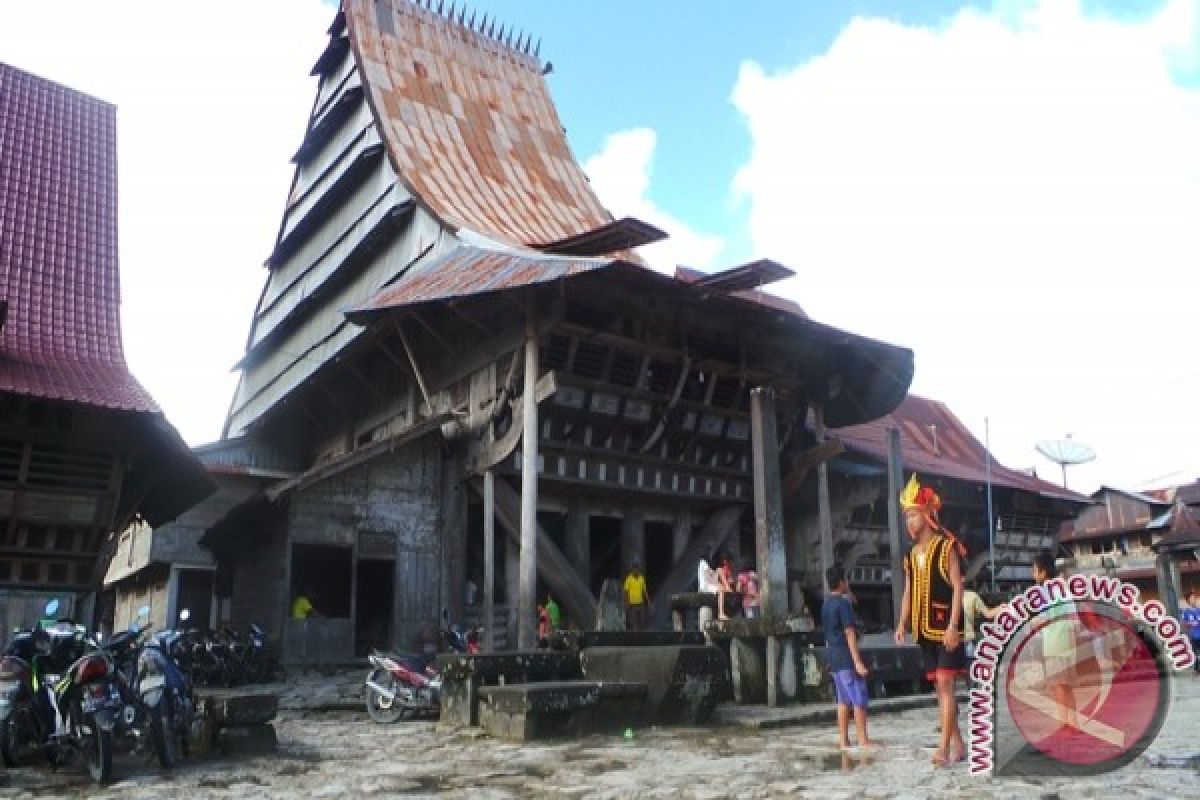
{"points": [[84, 449], [448, 309]]}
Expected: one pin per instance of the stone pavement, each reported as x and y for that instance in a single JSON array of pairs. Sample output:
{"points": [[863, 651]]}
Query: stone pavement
{"points": [[342, 754]]}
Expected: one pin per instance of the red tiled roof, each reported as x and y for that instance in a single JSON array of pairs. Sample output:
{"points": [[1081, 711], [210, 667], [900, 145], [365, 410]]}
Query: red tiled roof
{"points": [[58, 247], [957, 453], [470, 126]]}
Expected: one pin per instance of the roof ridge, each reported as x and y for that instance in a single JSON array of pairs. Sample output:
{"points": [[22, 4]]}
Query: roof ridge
{"points": [[523, 45]]}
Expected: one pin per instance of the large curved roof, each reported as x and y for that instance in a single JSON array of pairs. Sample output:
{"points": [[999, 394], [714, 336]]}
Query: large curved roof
{"points": [[469, 125], [60, 329]]}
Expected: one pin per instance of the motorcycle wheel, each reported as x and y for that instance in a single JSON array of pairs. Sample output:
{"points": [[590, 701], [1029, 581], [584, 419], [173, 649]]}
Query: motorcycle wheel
{"points": [[379, 707], [8, 742], [98, 754], [163, 735]]}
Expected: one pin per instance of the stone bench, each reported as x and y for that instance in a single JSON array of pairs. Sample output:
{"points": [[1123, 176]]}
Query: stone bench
{"points": [[771, 659], [684, 682], [525, 711], [686, 606], [235, 722], [464, 675]]}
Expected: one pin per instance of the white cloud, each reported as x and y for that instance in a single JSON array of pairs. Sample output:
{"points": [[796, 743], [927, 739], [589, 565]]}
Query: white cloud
{"points": [[210, 97], [620, 175], [1016, 196]]}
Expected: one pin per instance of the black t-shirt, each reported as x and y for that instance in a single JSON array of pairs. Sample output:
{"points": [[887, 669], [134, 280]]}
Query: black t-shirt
{"points": [[837, 615]]}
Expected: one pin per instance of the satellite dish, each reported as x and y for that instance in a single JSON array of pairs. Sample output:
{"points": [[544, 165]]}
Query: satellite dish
{"points": [[1066, 452]]}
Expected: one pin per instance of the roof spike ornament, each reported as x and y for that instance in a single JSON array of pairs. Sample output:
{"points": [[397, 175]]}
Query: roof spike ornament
{"points": [[441, 8], [471, 24], [462, 15], [492, 29], [537, 50]]}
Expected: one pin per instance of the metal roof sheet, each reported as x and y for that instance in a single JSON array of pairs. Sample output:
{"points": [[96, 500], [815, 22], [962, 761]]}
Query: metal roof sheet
{"points": [[466, 271], [469, 125], [61, 338]]}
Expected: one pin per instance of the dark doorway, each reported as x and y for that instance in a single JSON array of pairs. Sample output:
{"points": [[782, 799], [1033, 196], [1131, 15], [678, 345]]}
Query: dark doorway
{"points": [[604, 544], [660, 542], [374, 600], [195, 593], [323, 574]]}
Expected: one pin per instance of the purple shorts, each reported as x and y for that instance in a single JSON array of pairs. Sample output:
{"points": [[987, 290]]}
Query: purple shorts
{"points": [[851, 688]]}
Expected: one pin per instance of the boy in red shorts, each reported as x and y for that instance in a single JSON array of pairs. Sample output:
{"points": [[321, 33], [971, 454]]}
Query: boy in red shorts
{"points": [[933, 603]]}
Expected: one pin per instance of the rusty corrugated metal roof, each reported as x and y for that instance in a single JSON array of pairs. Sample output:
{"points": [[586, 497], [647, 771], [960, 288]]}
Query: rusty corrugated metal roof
{"points": [[935, 442], [467, 271], [470, 126]]}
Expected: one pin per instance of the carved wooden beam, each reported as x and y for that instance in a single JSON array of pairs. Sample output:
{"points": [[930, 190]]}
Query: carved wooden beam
{"points": [[493, 453], [810, 458]]}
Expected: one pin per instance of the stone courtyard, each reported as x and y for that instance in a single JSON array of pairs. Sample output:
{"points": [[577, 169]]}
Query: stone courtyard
{"points": [[342, 754]]}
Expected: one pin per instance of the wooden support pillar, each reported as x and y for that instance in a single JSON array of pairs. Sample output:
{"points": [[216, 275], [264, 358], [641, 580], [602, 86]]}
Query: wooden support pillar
{"points": [[453, 524], [824, 514], [578, 540], [633, 540], [512, 588], [527, 603], [896, 532], [681, 533], [768, 505], [489, 561], [1169, 583]]}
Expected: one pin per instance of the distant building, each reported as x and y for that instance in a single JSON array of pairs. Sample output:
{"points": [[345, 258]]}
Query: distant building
{"points": [[84, 449], [1118, 535]]}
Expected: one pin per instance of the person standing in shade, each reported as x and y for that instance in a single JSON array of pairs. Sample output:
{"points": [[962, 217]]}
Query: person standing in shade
{"points": [[302, 607], [974, 612], [932, 606], [748, 586], [637, 598], [846, 666], [553, 612]]}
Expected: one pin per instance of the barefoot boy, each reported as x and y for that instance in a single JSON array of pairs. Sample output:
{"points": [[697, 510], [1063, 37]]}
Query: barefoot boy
{"points": [[845, 663]]}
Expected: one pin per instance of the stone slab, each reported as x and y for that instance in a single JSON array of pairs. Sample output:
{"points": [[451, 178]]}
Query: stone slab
{"points": [[580, 640], [684, 682], [237, 707], [526, 712], [247, 741], [463, 675]]}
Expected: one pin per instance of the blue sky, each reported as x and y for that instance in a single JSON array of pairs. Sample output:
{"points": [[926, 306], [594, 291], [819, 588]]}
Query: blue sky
{"points": [[1010, 188]]}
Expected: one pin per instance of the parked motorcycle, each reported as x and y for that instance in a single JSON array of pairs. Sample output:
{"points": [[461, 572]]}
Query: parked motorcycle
{"points": [[70, 700], [157, 702], [400, 685]]}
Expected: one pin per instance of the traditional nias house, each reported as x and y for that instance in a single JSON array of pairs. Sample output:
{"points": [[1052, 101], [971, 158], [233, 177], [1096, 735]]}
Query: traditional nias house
{"points": [[455, 338], [84, 449]]}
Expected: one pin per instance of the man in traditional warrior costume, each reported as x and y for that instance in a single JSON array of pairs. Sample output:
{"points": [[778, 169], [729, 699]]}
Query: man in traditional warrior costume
{"points": [[932, 607]]}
